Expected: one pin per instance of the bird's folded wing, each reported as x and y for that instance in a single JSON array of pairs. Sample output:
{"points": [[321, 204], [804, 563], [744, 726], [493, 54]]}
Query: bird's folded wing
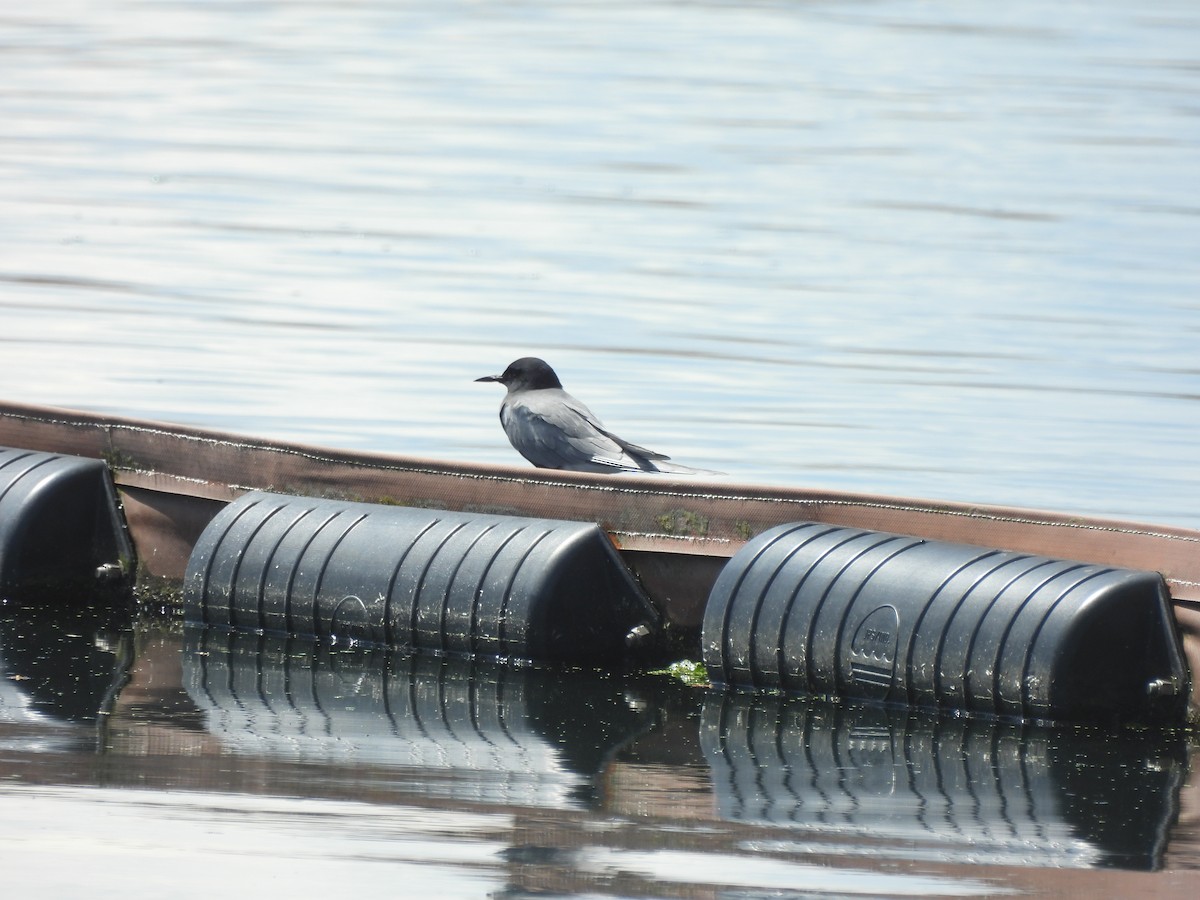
{"points": [[639, 454], [561, 433], [633, 449]]}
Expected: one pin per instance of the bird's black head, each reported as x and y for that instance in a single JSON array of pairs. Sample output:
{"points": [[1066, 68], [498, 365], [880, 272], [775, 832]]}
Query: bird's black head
{"points": [[526, 374]]}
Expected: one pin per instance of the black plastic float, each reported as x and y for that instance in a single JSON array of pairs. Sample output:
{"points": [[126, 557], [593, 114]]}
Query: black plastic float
{"points": [[819, 609], [479, 584], [62, 531]]}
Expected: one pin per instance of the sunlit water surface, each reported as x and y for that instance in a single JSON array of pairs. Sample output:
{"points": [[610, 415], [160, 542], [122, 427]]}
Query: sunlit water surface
{"points": [[928, 249]]}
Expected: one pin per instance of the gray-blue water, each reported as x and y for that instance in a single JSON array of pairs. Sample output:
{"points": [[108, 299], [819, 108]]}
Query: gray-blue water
{"points": [[932, 249], [928, 249]]}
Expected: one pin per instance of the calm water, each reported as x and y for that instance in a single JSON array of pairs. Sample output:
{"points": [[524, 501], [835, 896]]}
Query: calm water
{"points": [[929, 249], [166, 759]]}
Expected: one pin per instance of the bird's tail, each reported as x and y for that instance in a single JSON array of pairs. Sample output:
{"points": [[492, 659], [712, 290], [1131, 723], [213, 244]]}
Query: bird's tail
{"points": [[666, 467], [652, 460]]}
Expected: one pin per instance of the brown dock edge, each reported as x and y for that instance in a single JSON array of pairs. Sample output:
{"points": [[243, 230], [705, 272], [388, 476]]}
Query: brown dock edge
{"points": [[674, 532]]}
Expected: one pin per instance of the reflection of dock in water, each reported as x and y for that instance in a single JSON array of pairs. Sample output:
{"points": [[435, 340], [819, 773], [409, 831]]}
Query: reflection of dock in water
{"points": [[583, 779], [486, 732]]}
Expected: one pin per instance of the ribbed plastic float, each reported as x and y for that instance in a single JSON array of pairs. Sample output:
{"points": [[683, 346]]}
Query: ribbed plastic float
{"points": [[480, 584], [62, 532], [819, 609]]}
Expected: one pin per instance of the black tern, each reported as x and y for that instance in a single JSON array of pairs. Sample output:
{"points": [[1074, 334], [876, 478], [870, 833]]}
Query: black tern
{"points": [[553, 430]]}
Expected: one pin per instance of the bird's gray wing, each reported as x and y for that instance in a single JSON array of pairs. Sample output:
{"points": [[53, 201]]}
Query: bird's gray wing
{"points": [[638, 455], [632, 449], [553, 430], [640, 458]]}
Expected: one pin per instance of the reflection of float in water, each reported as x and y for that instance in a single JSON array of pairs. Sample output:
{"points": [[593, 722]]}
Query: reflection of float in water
{"points": [[61, 665], [954, 788], [480, 731]]}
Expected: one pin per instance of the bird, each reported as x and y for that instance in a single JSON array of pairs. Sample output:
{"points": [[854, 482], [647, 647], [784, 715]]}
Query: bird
{"points": [[553, 430]]}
